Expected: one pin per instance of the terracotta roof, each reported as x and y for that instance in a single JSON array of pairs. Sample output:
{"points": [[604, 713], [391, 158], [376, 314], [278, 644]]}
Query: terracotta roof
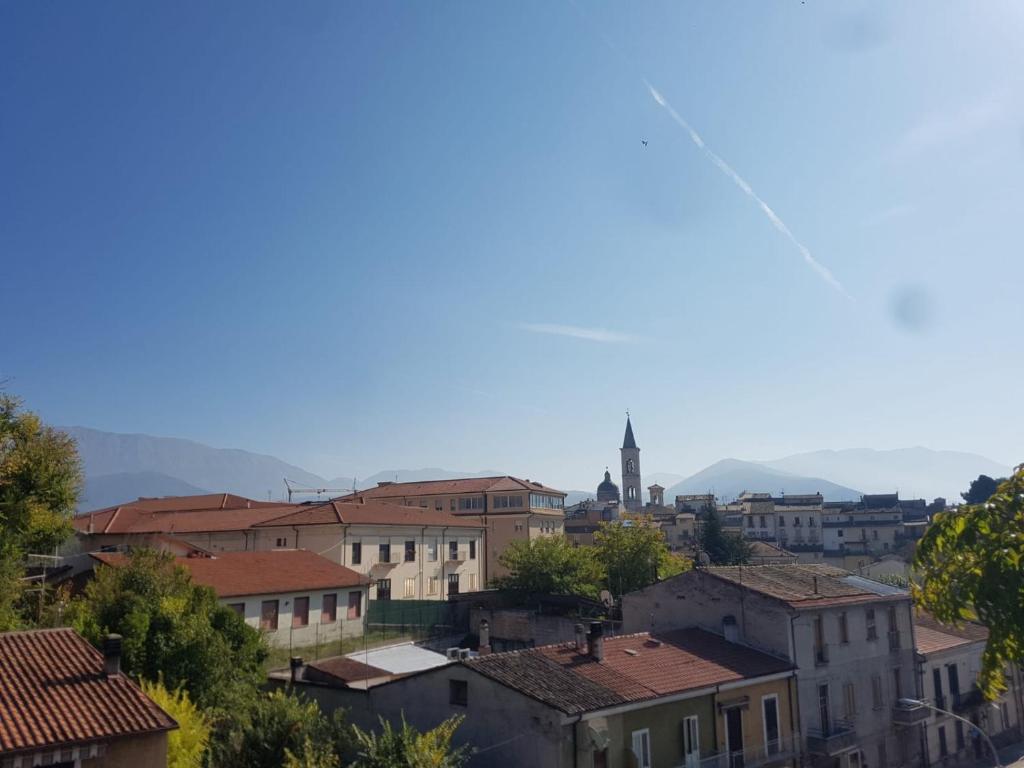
{"points": [[369, 513], [235, 574], [342, 669], [139, 520], [53, 692], [461, 485], [804, 585], [930, 636], [635, 668]]}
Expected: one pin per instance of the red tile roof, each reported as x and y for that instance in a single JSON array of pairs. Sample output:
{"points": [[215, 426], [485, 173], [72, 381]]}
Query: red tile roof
{"points": [[634, 668], [449, 487], [236, 574], [805, 585], [53, 693], [930, 636], [341, 669], [369, 513]]}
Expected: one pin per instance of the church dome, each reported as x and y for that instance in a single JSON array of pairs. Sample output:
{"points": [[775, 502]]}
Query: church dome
{"points": [[607, 490]]}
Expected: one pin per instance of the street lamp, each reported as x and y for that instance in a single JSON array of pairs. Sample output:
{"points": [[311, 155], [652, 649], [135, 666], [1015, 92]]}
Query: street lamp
{"points": [[919, 703]]}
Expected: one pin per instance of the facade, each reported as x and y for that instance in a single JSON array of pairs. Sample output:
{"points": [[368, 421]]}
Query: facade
{"points": [[296, 598], [508, 508], [632, 496], [851, 640], [63, 703], [676, 699], [949, 659], [680, 531], [798, 525], [856, 535], [406, 552]]}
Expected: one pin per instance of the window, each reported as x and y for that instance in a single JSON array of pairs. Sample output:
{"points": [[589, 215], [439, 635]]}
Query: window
{"points": [[883, 758], [874, 534], [870, 618], [383, 589], [943, 749], [410, 587], [477, 502], [281, 542], [238, 608], [410, 551], [355, 604], [458, 693], [940, 700], [431, 585], [844, 632], [384, 552], [268, 615], [810, 522], [357, 553], [954, 683], [539, 501], [691, 740], [453, 550], [782, 522], [453, 583], [329, 609], [762, 522], [300, 612], [839, 533], [750, 522], [507, 502], [1004, 715], [820, 651], [876, 691], [897, 684], [630, 467], [642, 748], [849, 700], [823, 715], [472, 549], [451, 505], [519, 525], [958, 731], [472, 582], [796, 522], [770, 716], [432, 550]]}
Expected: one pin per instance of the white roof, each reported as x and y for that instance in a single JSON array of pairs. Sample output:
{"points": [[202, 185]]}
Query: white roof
{"points": [[401, 658], [885, 590]]}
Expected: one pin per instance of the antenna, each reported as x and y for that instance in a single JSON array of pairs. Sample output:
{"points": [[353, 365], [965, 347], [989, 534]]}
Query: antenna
{"points": [[294, 488]]}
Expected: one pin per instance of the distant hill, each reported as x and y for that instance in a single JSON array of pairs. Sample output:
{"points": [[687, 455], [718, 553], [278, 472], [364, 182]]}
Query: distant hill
{"points": [[107, 490], [728, 478], [915, 472]]}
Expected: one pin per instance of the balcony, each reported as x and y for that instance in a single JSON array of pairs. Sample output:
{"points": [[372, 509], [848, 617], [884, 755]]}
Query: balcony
{"points": [[771, 754], [966, 700], [904, 712], [839, 737]]}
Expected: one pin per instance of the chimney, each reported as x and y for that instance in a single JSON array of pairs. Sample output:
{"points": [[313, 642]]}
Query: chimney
{"points": [[484, 643], [112, 655], [296, 664], [581, 638], [595, 641]]}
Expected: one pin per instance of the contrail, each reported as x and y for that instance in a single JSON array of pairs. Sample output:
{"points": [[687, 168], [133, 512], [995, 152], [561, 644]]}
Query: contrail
{"points": [[823, 272]]}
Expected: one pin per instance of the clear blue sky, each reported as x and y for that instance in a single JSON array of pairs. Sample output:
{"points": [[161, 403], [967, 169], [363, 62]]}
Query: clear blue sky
{"points": [[357, 236]]}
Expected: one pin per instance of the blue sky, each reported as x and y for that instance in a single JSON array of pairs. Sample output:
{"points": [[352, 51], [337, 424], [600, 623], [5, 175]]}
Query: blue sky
{"points": [[400, 235]]}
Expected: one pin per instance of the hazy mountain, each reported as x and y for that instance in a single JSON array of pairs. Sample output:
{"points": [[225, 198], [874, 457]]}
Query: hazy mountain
{"points": [[728, 478], [108, 490], [195, 464], [915, 472]]}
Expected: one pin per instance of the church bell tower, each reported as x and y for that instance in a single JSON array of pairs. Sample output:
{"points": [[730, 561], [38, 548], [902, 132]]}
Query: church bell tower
{"points": [[631, 497]]}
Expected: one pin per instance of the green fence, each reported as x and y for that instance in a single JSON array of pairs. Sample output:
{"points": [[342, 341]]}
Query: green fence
{"points": [[420, 617]]}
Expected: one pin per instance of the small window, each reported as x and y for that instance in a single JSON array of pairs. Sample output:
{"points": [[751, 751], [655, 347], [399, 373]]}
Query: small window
{"points": [[943, 748], [410, 551], [410, 587], [782, 522], [453, 550], [897, 684], [810, 522], [472, 582], [750, 522], [281, 542], [383, 589], [472, 549], [958, 730], [268, 615], [355, 604], [451, 505], [844, 632], [432, 550], [300, 612], [839, 533], [329, 609], [458, 693], [357, 553], [432, 582], [384, 553], [849, 700], [870, 618], [642, 748], [876, 691], [453, 583], [238, 608], [762, 522]]}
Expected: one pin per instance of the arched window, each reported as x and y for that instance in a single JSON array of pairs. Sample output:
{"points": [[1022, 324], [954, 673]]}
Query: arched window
{"points": [[629, 467]]}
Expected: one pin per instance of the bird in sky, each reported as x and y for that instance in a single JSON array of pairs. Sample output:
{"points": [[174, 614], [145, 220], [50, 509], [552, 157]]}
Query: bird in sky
{"points": [[644, 142]]}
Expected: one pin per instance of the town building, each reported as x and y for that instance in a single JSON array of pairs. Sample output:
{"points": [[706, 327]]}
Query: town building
{"points": [[409, 553], [508, 508], [855, 535], [683, 698], [631, 484], [65, 704], [297, 598], [850, 639], [798, 525], [949, 659]]}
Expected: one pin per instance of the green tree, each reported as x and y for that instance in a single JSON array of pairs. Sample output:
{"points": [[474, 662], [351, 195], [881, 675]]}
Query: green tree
{"points": [[633, 554], [721, 548], [550, 565], [311, 755], [172, 628], [40, 479], [969, 567], [406, 747], [186, 745], [981, 489]]}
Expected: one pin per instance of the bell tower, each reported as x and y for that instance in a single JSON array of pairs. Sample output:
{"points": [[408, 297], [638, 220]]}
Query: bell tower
{"points": [[631, 497]]}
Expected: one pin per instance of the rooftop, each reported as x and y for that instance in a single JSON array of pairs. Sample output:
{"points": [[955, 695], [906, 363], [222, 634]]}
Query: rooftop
{"points": [[934, 637], [805, 585], [235, 574], [448, 487], [635, 668], [367, 513], [53, 692], [400, 659]]}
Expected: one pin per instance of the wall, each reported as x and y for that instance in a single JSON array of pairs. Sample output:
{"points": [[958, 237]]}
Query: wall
{"points": [[314, 632], [148, 750], [752, 716]]}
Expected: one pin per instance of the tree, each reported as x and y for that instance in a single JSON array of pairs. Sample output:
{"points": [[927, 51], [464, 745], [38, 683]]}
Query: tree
{"points": [[721, 548], [981, 489], [40, 479], [406, 747], [969, 567], [633, 554], [186, 745], [173, 629], [550, 565]]}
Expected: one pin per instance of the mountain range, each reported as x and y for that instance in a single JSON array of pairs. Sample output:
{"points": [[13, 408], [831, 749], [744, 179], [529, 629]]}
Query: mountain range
{"points": [[122, 467]]}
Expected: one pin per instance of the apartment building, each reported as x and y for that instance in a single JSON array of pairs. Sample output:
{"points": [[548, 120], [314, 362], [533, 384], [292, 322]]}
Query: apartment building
{"points": [[684, 698], [508, 508], [758, 511], [798, 519], [850, 639], [406, 552], [949, 659], [855, 535]]}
